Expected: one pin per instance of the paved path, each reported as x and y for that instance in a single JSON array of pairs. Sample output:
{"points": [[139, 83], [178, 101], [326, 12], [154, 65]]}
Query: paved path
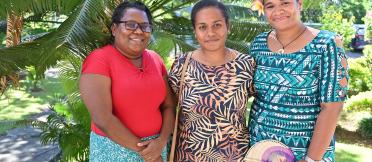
{"points": [[354, 55], [23, 145]]}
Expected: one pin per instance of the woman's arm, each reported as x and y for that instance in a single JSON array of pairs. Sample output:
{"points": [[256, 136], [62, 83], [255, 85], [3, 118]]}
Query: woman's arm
{"points": [[96, 93], [332, 97], [324, 129], [168, 112], [155, 146]]}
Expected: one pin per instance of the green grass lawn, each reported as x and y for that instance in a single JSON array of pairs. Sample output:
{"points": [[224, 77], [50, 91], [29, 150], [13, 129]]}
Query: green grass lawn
{"points": [[352, 153], [19, 103]]}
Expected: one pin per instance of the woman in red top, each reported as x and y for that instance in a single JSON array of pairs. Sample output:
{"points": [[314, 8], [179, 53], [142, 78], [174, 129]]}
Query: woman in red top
{"points": [[125, 89]]}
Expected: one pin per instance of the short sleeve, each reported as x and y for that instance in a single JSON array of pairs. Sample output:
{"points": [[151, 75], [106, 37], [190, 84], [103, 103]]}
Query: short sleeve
{"points": [[158, 61], [334, 76], [175, 73], [248, 65], [96, 63]]}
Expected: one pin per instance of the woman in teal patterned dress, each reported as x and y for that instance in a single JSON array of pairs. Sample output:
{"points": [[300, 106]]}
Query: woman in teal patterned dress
{"points": [[301, 83]]}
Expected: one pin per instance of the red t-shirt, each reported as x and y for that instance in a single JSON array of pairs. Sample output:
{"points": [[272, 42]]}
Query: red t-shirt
{"points": [[136, 94]]}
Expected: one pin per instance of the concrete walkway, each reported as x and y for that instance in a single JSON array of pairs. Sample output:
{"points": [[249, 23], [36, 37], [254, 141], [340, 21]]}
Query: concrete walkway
{"points": [[23, 145], [354, 55]]}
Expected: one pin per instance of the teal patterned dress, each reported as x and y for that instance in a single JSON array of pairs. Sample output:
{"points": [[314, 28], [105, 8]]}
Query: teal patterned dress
{"points": [[290, 88]]}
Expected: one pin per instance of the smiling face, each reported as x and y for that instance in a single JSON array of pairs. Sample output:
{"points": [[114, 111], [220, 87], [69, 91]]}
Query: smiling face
{"points": [[283, 14], [131, 42], [210, 29]]}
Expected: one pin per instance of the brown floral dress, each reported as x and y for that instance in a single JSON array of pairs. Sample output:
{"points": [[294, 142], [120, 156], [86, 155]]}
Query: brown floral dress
{"points": [[212, 125]]}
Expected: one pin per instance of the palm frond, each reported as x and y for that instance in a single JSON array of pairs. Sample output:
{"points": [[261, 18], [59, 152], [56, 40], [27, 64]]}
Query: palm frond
{"points": [[176, 26], [21, 7], [78, 35], [13, 58], [240, 13], [172, 7], [163, 43], [240, 46], [246, 31]]}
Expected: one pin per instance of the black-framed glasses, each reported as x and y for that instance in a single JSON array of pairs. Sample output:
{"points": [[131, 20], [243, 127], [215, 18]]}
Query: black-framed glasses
{"points": [[132, 25]]}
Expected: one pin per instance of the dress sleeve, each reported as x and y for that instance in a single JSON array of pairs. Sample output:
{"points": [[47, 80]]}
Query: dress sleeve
{"points": [[96, 63], [175, 73], [159, 62], [334, 76]]}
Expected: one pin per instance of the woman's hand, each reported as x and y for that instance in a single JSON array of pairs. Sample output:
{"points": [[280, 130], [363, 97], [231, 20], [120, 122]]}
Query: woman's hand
{"points": [[153, 149], [302, 160], [159, 159]]}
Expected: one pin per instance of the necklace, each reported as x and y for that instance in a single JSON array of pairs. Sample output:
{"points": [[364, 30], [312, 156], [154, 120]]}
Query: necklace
{"points": [[281, 51]]}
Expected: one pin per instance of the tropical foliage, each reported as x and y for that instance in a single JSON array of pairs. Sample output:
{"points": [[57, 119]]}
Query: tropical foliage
{"points": [[86, 28], [365, 127], [368, 22], [332, 20], [361, 72], [360, 102]]}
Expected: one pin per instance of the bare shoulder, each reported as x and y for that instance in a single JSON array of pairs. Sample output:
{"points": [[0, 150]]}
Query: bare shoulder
{"points": [[314, 32], [339, 40]]}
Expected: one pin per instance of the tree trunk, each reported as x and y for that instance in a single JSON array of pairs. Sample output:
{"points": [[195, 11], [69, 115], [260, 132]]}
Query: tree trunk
{"points": [[13, 38], [13, 29]]}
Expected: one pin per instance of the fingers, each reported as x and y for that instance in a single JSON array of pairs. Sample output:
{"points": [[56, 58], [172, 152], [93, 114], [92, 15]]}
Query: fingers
{"points": [[144, 143], [146, 151], [151, 151], [150, 159], [159, 159]]}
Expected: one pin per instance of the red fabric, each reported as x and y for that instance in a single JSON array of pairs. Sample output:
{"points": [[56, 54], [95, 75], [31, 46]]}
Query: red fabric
{"points": [[136, 95]]}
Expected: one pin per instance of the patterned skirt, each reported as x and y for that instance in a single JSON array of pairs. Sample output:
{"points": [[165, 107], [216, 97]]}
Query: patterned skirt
{"points": [[104, 149]]}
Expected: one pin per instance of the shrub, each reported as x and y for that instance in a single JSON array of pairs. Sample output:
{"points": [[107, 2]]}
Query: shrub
{"points": [[360, 102], [365, 127], [360, 71], [368, 22], [359, 77], [332, 20], [367, 52]]}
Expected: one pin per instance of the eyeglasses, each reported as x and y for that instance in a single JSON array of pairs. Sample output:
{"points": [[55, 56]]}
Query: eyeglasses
{"points": [[132, 25]]}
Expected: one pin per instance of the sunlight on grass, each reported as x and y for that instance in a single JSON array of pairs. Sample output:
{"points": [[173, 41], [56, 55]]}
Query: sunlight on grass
{"points": [[19, 104], [352, 153]]}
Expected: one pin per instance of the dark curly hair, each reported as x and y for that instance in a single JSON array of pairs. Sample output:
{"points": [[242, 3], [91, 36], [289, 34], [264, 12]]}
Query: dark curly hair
{"points": [[209, 3]]}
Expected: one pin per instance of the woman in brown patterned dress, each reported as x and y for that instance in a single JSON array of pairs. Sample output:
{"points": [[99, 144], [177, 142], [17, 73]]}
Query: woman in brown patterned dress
{"points": [[218, 83]]}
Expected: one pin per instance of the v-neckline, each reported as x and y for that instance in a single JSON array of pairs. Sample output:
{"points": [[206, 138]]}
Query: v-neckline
{"points": [[132, 66]]}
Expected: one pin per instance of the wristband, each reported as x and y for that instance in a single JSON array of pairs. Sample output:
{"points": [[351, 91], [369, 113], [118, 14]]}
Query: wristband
{"points": [[308, 159]]}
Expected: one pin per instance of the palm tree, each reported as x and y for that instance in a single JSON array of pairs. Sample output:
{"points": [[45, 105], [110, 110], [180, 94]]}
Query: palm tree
{"points": [[85, 29]]}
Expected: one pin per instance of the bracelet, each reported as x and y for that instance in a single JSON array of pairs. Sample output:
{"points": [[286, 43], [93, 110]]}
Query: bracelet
{"points": [[308, 159]]}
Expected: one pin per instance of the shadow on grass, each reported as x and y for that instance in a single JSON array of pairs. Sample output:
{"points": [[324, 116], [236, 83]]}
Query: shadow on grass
{"points": [[20, 103], [345, 156], [351, 137]]}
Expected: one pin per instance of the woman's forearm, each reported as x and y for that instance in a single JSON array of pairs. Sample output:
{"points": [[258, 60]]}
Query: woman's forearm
{"points": [[324, 130], [168, 124], [118, 133], [168, 111]]}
